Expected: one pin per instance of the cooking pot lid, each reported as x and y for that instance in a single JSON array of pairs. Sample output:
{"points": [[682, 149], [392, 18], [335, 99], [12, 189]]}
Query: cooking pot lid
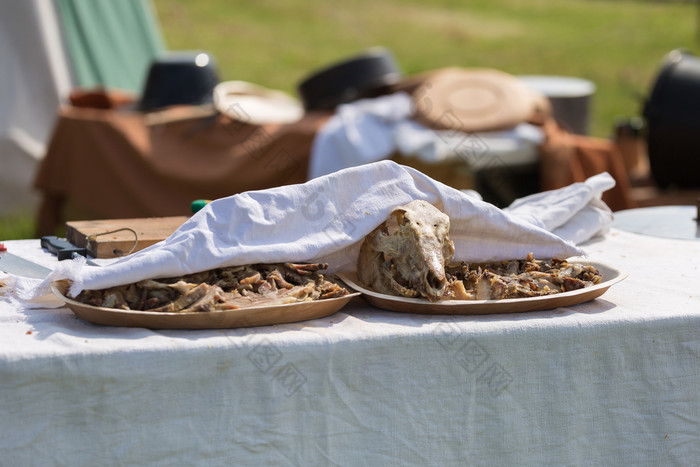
{"points": [[560, 86]]}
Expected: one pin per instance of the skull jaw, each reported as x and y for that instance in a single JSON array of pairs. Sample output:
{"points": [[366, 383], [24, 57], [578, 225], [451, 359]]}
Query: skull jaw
{"points": [[395, 286], [421, 285]]}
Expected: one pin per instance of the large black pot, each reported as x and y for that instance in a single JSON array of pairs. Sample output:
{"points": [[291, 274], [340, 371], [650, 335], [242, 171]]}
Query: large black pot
{"points": [[369, 74], [179, 78], [672, 113]]}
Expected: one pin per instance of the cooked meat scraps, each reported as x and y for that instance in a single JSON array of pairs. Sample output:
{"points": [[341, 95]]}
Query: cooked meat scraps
{"points": [[517, 279], [221, 289], [409, 255]]}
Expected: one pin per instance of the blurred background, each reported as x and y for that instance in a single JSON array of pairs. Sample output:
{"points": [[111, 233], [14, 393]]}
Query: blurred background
{"points": [[617, 45]]}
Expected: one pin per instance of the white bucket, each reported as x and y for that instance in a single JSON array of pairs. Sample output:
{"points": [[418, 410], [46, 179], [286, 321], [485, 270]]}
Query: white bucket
{"points": [[570, 98]]}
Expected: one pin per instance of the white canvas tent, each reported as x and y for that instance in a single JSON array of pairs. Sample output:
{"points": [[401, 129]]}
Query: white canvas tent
{"points": [[47, 47]]}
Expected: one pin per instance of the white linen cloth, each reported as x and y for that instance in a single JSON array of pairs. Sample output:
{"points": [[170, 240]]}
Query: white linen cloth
{"points": [[325, 220], [575, 212], [370, 130], [609, 382]]}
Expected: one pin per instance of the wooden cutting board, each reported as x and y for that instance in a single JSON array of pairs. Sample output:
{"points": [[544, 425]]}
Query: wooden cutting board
{"points": [[125, 234]]}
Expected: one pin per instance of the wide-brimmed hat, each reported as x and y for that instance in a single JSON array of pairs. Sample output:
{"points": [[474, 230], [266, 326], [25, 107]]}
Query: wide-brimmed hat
{"points": [[472, 100], [254, 104]]}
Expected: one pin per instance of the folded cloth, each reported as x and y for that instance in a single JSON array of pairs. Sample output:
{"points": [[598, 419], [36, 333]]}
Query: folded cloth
{"points": [[374, 129], [324, 220], [575, 212], [36, 293], [359, 132]]}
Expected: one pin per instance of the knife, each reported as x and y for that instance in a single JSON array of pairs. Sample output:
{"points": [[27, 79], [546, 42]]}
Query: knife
{"points": [[19, 266], [62, 248]]}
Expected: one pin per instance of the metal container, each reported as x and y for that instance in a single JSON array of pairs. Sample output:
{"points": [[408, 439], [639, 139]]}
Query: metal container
{"points": [[570, 98], [179, 78], [672, 114], [367, 75]]}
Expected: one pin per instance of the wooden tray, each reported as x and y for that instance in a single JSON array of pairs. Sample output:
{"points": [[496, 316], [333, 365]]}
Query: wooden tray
{"points": [[148, 231], [610, 275], [228, 319]]}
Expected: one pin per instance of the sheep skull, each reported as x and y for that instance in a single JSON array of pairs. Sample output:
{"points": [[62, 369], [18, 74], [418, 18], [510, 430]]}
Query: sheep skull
{"points": [[406, 255]]}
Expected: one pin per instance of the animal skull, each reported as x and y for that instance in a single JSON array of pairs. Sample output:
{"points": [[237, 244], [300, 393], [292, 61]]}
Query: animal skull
{"points": [[406, 255]]}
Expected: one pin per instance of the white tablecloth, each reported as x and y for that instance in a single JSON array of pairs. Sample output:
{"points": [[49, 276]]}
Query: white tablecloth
{"points": [[610, 382]]}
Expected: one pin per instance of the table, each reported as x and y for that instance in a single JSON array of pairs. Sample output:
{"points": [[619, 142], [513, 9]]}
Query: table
{"points": [[661, 221], [609, 382], [116, 162]]}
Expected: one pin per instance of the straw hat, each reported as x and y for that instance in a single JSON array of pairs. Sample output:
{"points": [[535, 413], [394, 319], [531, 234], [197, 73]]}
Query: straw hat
{"points": [[257, 105], [472, 100]]}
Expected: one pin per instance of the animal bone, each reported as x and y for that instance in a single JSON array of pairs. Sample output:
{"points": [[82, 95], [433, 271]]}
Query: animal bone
{"points": [[406, 255]]}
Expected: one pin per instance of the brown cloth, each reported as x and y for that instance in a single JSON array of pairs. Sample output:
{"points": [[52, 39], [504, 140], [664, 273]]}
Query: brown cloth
{"points": [[106, 160], [100, 98], [566, 158], [117, 163]]}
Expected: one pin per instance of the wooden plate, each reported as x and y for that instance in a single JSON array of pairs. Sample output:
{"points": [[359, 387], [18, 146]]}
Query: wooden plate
{"points": [[228, 319], [610, 275]]}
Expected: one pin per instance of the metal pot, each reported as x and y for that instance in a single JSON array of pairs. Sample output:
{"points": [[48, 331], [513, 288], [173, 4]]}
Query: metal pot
{"points": [[179, 78], [367, 75], [672, 113]]}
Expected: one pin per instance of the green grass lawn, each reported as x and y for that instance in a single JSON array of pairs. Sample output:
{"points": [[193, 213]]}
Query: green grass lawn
{"points": [[17, 225], [275, 43], [616, 44]]}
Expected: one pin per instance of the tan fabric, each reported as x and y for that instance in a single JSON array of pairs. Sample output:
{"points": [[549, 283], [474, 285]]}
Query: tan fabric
{"points": [[474, 100], [567, 158], [121, 164]]}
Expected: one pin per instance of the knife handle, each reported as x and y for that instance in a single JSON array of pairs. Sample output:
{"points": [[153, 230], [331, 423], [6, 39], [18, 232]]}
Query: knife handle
{"points": [[61, 247]]}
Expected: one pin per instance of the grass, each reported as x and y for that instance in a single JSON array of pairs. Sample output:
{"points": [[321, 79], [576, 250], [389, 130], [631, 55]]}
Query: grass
{"points": [[17, 225], [617, 44]]}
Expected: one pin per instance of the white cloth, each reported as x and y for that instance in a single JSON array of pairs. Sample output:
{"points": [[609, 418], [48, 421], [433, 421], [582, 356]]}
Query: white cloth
{"points": [[575, 212], [370, 130], [358, 133], [34, 79], [325, 220], [610, 382]]}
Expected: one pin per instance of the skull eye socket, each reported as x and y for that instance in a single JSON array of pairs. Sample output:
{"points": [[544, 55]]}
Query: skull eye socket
{"points": [[399, 216]]}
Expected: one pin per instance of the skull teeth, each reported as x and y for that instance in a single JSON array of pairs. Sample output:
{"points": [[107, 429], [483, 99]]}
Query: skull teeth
{"points": [[398, 283]]}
